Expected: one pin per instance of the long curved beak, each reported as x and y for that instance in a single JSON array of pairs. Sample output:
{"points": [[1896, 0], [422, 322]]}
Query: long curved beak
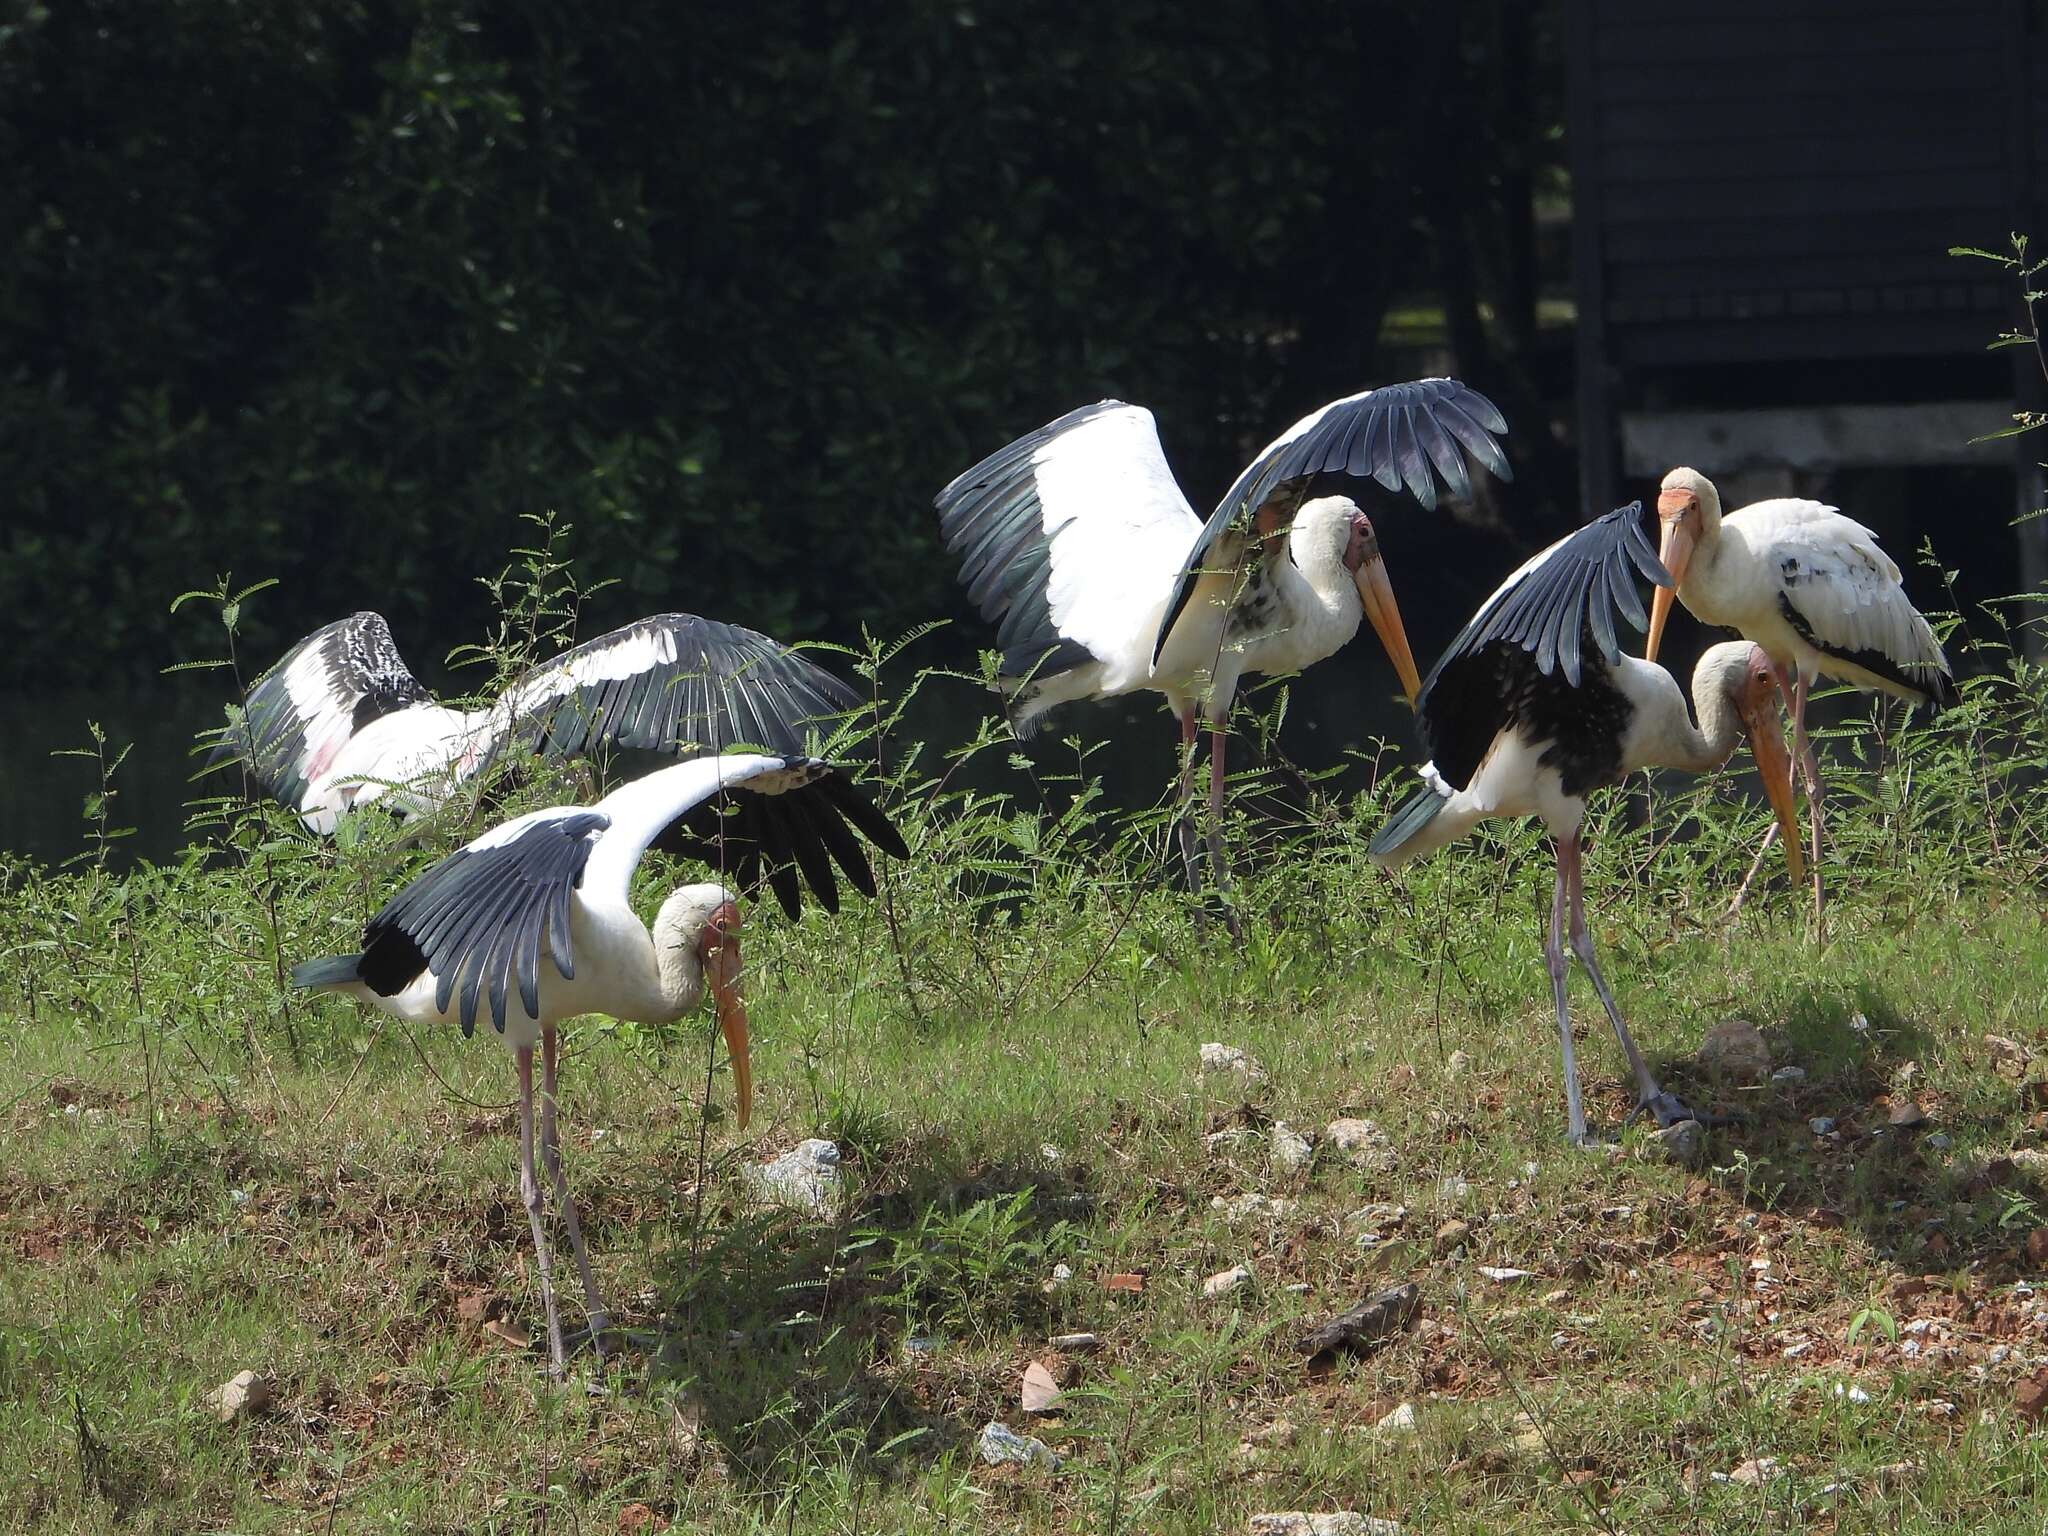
{"points": [[1774, 766], [724, 969], [1377, 593], [1675, 551]]}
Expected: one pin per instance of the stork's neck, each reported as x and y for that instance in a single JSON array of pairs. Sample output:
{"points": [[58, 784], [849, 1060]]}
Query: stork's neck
{"points": [[1318, 600], [1698, 749], [678, 974]]}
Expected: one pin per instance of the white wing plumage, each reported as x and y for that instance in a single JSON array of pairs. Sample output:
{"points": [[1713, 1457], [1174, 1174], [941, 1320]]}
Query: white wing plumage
{"points": [[1840, 589]]}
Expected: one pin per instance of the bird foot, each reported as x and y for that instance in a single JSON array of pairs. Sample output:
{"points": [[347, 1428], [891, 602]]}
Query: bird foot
{"points": [[1668, 1109]]}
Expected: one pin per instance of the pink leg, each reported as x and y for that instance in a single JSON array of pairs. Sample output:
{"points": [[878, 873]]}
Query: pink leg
{"points": [[1219, 864], [529, 1192], [1184, 828], [1809, 767], [551, 1155], [1554, 960]]}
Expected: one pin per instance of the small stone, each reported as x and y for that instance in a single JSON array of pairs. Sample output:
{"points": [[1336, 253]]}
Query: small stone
{"points": [[1760, 1469], [1244, 1207], [1859, 1023], [1342, 1522], [1735, 1052], [1075, 1343], [1940, 1141], [1905, 1114], [1364, 1145], [2030, 1397], [998, 1443], [1279, 1432], [920, 1346], [1218, 1057], [1061, 1274], [1225, 1140], [1050, 1155], [805, 1178], [2008, 1057], [1225, 1281], [1849, 1392], [1400, 1422], [240, 1396], [1130, 1282], [1039, 1392], [1821, 1125], [1379, 1317], [1452, 1235], [1504, 1275], [1292, 1151], [1458, 1064], [1453, 1186], [1684, 1143], [2037, 1246], [1787, 1076]]}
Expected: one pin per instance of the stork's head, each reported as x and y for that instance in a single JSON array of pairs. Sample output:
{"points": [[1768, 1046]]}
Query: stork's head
{"points": [[1337, 521], [705, 919], [1690, 509], [1742, 673]]}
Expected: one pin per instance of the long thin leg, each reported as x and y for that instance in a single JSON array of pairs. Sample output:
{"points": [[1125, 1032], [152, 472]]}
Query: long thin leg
{"points": [[529, 1192], [1553, 956], [1809, 766], [1650, 1094], [551, 1155], [1185, 827], [1219, 862]]}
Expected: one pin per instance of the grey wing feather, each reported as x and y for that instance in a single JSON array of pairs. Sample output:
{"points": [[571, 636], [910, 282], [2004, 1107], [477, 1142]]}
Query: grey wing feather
{"points": [[477, 919], [1392, 435]]}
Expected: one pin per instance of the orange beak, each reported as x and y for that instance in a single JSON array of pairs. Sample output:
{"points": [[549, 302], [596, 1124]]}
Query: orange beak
{"points": [[722, 971], [1766, 734], [1679, 511], [1377, 593]]}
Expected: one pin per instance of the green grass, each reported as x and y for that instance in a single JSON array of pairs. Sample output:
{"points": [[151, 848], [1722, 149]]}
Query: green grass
{"points": [[205, 1174]]}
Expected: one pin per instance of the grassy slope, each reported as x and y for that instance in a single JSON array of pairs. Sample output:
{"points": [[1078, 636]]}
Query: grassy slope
{"points": [[298, 1194]]}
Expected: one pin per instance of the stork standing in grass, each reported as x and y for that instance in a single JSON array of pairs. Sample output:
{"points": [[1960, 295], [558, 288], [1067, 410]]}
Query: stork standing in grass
{"points": [[1078, 543], [1533, 707], [531, 924], [1808, 585], [341, 722]]}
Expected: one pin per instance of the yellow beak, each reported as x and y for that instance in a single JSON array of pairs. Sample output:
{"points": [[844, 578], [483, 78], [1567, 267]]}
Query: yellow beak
{"points": [[1377, 593], [1774, 766], [1675, 550]]}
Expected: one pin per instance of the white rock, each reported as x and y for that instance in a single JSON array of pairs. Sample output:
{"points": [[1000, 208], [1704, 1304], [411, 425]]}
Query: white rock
{"points": [[1245, 1206], [1684, 1143], [1364, 1145], [1458, 1063], [1343, 1522], [1761, 1469], [241, 1395], [1061, 1274], [1226, 1281], [805, 1177], [1849, 1392], [1453, 1187], [1292, 1151], [1051, 1155], [1400, 1422], [1505, 1276], [1859, 1023], [998, 1443], [1218, 1057], [1075, 1343], [1789, 1075]]}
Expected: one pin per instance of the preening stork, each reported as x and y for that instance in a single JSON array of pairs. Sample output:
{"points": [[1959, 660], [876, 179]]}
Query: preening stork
{"points": [[1533, 707], [341, 722], [1079, 544], [531, 924], [1808, 585]]}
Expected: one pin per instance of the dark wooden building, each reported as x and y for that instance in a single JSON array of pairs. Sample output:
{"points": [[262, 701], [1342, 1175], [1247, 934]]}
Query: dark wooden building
{"points": [[1765, 195]]}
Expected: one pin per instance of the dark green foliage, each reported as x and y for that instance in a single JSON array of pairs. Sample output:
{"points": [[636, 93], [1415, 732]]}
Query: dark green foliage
{"points": [[336, 291]]}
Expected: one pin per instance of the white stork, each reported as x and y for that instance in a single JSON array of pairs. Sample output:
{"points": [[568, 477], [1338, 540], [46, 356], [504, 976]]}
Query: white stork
{"points": [[1808, 585], [531, 924], [341, 722], [1533, 707], [1078, 543]]}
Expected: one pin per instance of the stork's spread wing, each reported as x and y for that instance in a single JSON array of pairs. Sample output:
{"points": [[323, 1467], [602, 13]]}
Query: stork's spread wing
{"points": [[672, 683], [303, 711], [477, 918], [1393, 434], [1069, 537], [1551, 609], [748, 816]]}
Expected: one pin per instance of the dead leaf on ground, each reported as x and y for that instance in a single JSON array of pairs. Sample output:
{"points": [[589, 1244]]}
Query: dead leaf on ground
{"points": [[635, 1518], [471, 1307], [509, 1333], [1131, 1281]]}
